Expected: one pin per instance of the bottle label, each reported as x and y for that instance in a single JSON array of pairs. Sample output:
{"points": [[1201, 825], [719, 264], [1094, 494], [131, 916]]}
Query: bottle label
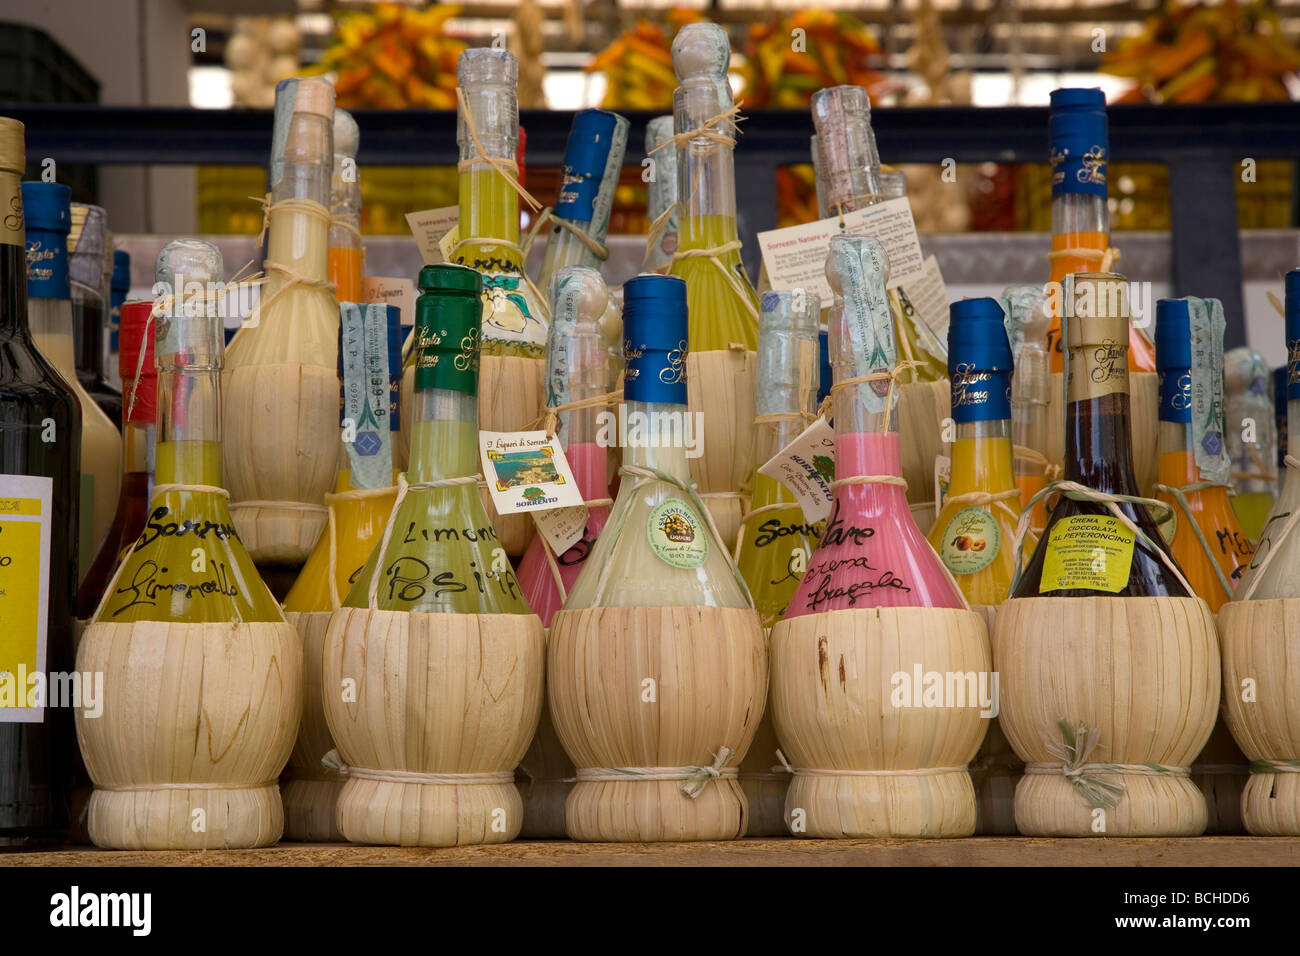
{"points": [[971, 541], [25, 516], [507, 316], [1098, 369], [677, 535], [12, 227], [1091, 552]]}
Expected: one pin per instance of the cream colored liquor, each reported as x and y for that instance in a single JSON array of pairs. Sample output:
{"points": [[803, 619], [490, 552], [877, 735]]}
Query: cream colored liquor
{"points": [[281, 388]]}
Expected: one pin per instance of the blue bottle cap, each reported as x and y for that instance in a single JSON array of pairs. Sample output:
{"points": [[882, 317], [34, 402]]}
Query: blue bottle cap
{"points": [[585, 160], [47, 209], [1079, 141], [824, 348], [1293, 334], [121, 281], [1174, 359], [979, 361], [654, 339]]}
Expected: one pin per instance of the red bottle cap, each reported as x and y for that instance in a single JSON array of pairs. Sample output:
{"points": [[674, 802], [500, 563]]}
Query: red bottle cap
{"points": [[140, 404]]}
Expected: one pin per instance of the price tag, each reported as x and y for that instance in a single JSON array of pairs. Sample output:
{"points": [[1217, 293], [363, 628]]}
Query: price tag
{"points": [[25, 519], [527, 472], [795, 257], [562, 527], [430, 227], [807, 467]]}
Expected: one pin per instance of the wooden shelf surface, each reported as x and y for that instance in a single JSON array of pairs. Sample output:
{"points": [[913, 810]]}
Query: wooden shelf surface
{"points": [[976, 851]]}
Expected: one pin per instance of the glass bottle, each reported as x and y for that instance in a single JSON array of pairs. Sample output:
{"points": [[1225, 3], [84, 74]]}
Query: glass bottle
{"points": [[1031, 391], [578, 371], [1272, 572], [40, 454], [661, 192], [822, 211], [776, 540], [1248, 409], [139, 435], [871, 553], [442, 554], [593, 160], [1080, 149], [364, 492], [86, 241], [188, 564], [49, 311], [849, 171], [1189, 360], [1098, 455], [119, 288], [975, 530], [347, 252], [514, 316], [722, 300], [657, 548]]}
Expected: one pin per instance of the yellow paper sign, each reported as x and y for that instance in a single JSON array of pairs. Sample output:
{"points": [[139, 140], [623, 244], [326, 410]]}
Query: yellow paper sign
{"points": [[25, 504], [1094, 552]]}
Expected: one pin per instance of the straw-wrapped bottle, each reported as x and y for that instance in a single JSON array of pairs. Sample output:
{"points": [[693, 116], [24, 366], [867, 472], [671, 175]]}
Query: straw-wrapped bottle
{"points": [[202, 675], [1260, 632], [432, 679], [281, 381], [1251, 435], [724, 307], [776, 540], [578, 369], [1108, 665], [369, 338], [656, 668], [849, 173], [874, 608]]}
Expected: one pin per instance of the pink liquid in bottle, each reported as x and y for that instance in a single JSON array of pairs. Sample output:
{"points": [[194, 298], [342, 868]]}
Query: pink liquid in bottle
{"points": [[535, 576], [871, 554]]}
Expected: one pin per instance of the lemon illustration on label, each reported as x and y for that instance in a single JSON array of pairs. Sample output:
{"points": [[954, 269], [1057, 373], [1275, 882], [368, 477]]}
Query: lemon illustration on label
{"points": [[677, 534], [971, 541]]}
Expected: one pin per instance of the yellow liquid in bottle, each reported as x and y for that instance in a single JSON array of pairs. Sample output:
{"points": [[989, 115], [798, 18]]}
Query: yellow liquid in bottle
{"points": [[718, 313], [188, 564], [514, 318], [1229, 545], [775, 548], [1252, 509], [964, 535]]}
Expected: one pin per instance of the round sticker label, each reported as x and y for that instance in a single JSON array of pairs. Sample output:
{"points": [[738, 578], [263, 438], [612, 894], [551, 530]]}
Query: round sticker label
{"points": [[677, 534], [971, 541]]}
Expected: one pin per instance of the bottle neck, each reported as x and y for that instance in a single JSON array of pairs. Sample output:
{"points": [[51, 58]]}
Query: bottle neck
{"points": [[1293, 429], [139, 441], [300, 241], [657, 436], [706, 182], [489, 209], [13, 289], [444, 435], [1030, 392], [89, 330], [1079, 216], [189, 426], [981, 458]]}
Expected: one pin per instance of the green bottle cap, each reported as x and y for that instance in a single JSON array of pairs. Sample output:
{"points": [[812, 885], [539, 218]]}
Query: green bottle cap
{"points": [[448, 316]]}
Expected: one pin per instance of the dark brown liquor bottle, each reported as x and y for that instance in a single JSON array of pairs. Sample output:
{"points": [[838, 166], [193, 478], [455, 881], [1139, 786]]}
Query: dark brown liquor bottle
{"points": [[1085, 551]]}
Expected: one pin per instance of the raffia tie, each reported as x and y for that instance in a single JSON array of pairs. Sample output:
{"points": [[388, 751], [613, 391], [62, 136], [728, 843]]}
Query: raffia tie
{"points": [[291, 278], [728, 118], [594, 246], [1275, 766], [714, 254], [1275, 544], [656, 233], [145, 787], [909, 772], [1077, 742], [338, 497], [891, 375], [694, 779], [402, 487], [1078, 492], [506, 167], [549, 419], [332, 761], [1179, 494]]}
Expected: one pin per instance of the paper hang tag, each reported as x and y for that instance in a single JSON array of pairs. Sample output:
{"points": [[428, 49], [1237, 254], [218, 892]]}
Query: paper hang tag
{"points": [[795, 257], [928, 297], [807, 467], [942, 478], [430, 227], [447, 244], [526, 472], [391, 291], [561, 527]]}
